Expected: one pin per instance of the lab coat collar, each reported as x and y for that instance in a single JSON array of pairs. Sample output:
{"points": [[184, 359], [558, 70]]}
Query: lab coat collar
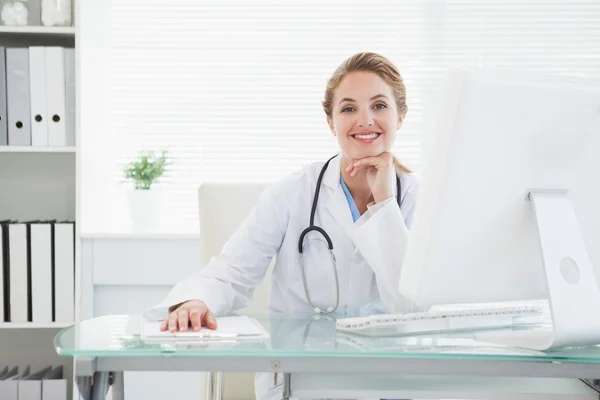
{"points": [[338, 207], [333, 172], [338, 204]]}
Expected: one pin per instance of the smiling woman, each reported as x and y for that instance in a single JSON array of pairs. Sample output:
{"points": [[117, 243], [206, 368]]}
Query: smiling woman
{"points": [[365, 105], [365, 100], [359, 207]]}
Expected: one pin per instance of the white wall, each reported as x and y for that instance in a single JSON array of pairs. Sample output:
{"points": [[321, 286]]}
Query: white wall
{"points": [[92, 95]]}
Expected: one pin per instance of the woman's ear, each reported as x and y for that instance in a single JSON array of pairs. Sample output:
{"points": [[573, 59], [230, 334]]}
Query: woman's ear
{"points": [[400, 120], [330, 123]]}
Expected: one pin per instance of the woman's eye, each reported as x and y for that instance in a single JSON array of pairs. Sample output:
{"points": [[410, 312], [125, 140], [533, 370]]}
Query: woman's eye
{"points": [[347, 109], [380, 106]]}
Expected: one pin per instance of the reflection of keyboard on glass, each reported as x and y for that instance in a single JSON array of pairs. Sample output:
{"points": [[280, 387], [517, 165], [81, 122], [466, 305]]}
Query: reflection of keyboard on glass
{"points": [[442, 320]]}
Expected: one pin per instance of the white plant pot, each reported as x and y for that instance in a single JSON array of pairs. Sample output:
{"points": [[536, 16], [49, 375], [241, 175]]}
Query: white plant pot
{"points": [[145, 209]]}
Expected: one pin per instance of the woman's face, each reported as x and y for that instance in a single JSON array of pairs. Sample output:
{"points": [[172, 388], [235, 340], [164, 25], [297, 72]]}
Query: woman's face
{"points": [[364, 117]]}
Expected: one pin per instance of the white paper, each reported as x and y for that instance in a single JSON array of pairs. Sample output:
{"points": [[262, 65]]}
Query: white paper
{"points": [[227, 327]]}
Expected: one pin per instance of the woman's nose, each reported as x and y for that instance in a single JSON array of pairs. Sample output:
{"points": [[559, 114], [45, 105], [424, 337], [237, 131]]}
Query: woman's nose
{"points": [[365, 118]]}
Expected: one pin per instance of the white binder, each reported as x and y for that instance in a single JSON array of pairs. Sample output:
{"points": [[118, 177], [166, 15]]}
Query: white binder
{"points": [[37, 90], [1, 276], [9, 387], [30, 386], [55, 96], [64, 271], [41, 272], [3, 114], [17, 245], [54, 385], [70, 93], [17, 96]]}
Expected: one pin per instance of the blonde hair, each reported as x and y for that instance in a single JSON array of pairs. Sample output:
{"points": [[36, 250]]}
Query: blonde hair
{"points": [[378, 64]]}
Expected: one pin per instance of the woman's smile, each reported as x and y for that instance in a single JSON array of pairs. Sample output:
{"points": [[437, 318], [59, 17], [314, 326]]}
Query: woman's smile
{"points": [[366, 136]]}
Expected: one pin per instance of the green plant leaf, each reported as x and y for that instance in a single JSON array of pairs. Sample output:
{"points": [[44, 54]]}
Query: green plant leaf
{"points": [[146, 169]]}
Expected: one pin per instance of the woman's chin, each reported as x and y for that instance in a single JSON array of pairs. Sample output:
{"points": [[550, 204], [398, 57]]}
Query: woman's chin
{"points": [[363, 153]]}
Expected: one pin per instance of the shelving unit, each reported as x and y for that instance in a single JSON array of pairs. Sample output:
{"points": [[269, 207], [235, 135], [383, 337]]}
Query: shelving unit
{"points": [[34, 325], [38, 183], [39, 30], [32, 149]]}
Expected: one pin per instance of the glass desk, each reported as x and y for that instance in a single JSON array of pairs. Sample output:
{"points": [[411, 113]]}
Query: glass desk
{"points": [[313, 359]]}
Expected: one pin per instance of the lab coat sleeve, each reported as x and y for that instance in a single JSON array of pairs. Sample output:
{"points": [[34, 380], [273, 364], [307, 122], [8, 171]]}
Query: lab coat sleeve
{"points": [[228, 281], [381, 237]]}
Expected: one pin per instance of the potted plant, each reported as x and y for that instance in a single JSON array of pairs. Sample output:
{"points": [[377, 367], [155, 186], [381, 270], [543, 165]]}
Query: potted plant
{"points": [[145, 203]]}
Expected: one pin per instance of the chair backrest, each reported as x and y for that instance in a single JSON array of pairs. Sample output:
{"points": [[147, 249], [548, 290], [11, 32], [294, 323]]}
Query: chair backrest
{"points": [[223, 207]]}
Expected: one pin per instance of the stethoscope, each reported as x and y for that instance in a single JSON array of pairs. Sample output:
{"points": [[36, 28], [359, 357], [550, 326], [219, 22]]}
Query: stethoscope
{"points": [[313, 227]]}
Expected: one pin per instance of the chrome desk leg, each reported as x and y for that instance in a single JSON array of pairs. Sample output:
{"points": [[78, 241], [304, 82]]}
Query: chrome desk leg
{"points": [[84, 386], [593, 384], [100, 385], [287, 386], [118, 385], [208, 380], [215, 386], [219, 386]]}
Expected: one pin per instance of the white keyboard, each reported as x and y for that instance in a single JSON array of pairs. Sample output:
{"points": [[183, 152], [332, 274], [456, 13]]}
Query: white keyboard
{"points": [[442, 320]]}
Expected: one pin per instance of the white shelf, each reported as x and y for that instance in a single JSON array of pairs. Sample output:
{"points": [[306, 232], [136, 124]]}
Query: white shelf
{"points": [[42, 30], [140, 235], [35, 149], [35, 325]]}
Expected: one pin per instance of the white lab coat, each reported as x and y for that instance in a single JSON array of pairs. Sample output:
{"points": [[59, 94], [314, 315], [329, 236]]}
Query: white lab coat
{"points": [[369, 253]]}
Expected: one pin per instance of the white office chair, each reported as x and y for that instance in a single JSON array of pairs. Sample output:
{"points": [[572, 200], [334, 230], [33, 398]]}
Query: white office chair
{"points": [[223, 206]]}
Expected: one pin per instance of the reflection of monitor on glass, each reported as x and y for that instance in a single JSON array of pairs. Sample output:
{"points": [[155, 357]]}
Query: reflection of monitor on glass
{"points": [[509, 207]]}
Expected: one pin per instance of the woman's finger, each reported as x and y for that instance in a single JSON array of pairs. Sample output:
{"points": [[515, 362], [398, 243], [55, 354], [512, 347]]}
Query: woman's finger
{"points": [[357, 169], [382, 160], [209, 320], [164, 325], [173, 321], [183, 319], [196, 314], [367, 161], [350, 167]]}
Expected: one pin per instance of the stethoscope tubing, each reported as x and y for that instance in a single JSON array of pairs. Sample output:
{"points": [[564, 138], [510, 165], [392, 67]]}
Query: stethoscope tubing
{"points": [[313, 227]]}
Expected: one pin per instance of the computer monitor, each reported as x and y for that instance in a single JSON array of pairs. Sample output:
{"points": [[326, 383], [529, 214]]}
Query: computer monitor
{"points": [[476, 236]]}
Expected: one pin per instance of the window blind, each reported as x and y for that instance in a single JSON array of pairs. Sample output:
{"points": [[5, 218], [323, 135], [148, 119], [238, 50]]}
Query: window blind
{"points": [[233, 89]]}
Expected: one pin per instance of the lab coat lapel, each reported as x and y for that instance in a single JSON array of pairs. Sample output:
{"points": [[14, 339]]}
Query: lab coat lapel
{"points": [[339, 209], [337, 205]]}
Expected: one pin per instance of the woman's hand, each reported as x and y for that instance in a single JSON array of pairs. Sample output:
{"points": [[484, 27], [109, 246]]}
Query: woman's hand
{"points": [[380, 171], [193, 312]]}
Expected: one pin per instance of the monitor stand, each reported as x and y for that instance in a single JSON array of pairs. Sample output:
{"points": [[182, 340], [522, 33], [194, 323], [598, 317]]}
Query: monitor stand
{"points": [[574, 296]]}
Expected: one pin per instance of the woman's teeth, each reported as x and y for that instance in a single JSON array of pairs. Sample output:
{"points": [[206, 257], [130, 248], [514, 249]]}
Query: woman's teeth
{"points": [[369, 136]]}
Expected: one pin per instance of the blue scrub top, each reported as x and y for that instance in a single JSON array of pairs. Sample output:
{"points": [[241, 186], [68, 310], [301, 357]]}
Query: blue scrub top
{"points": [[351, 203]]}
